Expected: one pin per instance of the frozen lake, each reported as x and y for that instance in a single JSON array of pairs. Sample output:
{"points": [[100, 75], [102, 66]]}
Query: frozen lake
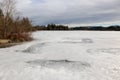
{"points": [[63, 55]]}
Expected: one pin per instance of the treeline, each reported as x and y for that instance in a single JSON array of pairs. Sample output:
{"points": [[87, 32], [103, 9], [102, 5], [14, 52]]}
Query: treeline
{"points": [[98, 28], [50, 27], [14, 28], [62, 27]]}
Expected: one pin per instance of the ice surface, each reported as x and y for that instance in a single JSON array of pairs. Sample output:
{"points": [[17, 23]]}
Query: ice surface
{"points": [[63, 55]]}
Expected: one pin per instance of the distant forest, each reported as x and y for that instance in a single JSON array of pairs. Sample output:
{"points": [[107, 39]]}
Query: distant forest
{"points": [[62, 27]]}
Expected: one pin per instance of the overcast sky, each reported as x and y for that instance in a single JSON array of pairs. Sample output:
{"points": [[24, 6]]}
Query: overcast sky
{"points": [[71, 12]]}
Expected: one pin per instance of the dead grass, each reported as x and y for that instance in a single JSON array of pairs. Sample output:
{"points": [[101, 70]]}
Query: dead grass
{"points": [[7, 43], [4, 41], [15, 40]]}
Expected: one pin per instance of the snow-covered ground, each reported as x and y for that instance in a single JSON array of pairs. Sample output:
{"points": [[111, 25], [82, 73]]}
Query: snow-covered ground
{"points": [[63, 55]]}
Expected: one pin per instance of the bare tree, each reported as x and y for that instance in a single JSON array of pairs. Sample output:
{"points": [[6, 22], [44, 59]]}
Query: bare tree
{"points": [[13, 26], [1, 23], [8, 7]]}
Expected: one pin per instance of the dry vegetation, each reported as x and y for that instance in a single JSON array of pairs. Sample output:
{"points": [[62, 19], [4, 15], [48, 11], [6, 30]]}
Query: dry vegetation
{"points": [[13, 28]]}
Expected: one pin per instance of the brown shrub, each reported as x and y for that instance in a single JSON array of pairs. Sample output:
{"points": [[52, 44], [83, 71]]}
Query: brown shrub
{"points": [[19, 37]]}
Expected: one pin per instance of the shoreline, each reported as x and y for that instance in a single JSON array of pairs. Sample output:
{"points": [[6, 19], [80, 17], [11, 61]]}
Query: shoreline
{"points": [[9, 44]]}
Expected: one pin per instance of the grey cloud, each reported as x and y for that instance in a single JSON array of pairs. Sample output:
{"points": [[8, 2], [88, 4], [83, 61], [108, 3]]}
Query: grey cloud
{"points": [[73, 12]]}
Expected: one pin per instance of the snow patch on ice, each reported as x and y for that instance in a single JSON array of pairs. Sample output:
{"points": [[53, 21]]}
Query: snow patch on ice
{"points": [[78, 40], [38, 73], [57, 64], [34, 48], [113, 51]]}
